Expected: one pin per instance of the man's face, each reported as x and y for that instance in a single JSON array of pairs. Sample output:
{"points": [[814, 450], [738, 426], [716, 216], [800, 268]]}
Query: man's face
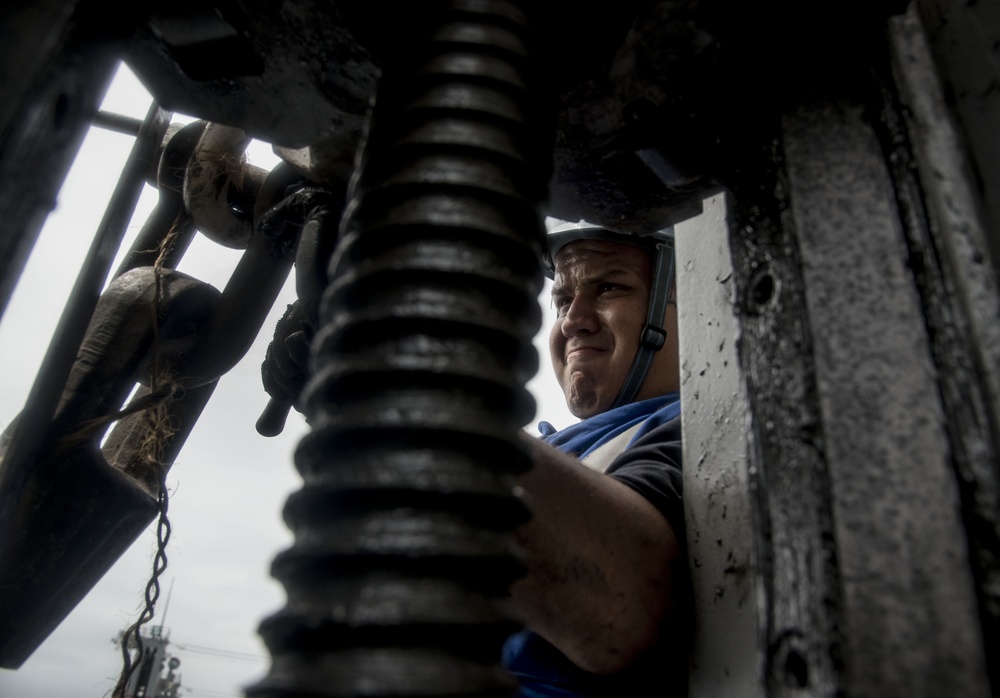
{"points": [[600, 293]]}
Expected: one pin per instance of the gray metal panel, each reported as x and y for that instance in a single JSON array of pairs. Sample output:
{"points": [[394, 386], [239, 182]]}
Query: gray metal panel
{"points": [[911, 626]]}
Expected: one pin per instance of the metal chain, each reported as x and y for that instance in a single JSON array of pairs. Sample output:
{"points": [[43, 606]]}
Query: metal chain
{"points": [[152, 593]]}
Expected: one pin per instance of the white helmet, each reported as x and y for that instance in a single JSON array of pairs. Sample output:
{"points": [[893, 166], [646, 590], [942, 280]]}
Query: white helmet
{"points": [[660, 245]]}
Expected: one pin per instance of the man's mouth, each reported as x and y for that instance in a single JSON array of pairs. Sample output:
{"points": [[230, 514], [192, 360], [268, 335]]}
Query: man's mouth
{"points": [[582, 351]]}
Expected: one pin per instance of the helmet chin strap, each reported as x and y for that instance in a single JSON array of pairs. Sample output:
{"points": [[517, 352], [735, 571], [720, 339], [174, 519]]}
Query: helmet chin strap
{"points": [[653, 334]]}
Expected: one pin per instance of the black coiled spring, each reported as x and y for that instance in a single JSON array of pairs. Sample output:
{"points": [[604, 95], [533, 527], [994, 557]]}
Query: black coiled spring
{"points": [[398, 576]]}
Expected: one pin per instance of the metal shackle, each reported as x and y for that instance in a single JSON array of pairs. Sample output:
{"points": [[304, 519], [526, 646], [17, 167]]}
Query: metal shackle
{"points": [[220, 187]]}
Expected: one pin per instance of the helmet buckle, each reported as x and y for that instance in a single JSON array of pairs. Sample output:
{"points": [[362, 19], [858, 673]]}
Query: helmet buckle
{"points": [[653, 336]]}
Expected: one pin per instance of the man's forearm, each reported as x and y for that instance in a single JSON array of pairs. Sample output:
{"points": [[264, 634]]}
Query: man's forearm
{"points": [[599, 555]]}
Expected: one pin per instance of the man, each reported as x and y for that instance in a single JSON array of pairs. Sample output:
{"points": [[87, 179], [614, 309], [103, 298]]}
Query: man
{"points": [[604, 595], [604, 599]]}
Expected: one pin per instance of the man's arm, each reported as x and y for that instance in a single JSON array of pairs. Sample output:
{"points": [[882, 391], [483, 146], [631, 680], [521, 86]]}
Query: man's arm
{"points": [[599, 557]]}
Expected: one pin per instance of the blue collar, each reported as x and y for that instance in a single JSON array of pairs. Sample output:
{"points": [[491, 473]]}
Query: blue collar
{"points": [[583, 437]]}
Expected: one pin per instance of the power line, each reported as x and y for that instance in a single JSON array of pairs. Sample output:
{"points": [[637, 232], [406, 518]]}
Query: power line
{"points": [[209, 694], [219, 653]]}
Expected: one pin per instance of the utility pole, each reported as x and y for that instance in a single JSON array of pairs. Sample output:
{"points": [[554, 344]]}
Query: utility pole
{"points": [[149, 680], [156, 675]]}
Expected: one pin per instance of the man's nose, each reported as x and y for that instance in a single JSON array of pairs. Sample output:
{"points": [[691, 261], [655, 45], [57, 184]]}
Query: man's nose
{"points": [[580, 317]]}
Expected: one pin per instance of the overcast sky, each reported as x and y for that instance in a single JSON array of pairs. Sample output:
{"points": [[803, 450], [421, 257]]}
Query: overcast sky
{"points": [[227, 487]]}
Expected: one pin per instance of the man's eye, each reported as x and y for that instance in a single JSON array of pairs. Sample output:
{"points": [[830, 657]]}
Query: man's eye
{"points": [[607, 287], [560, 304]]}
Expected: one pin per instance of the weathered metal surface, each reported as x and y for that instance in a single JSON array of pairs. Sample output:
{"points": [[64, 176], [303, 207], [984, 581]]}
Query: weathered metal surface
{"points": [[962, 37], [292, 74], [725, 659], [797, 582], [949, 235], [909, 619], [76, 513]]}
